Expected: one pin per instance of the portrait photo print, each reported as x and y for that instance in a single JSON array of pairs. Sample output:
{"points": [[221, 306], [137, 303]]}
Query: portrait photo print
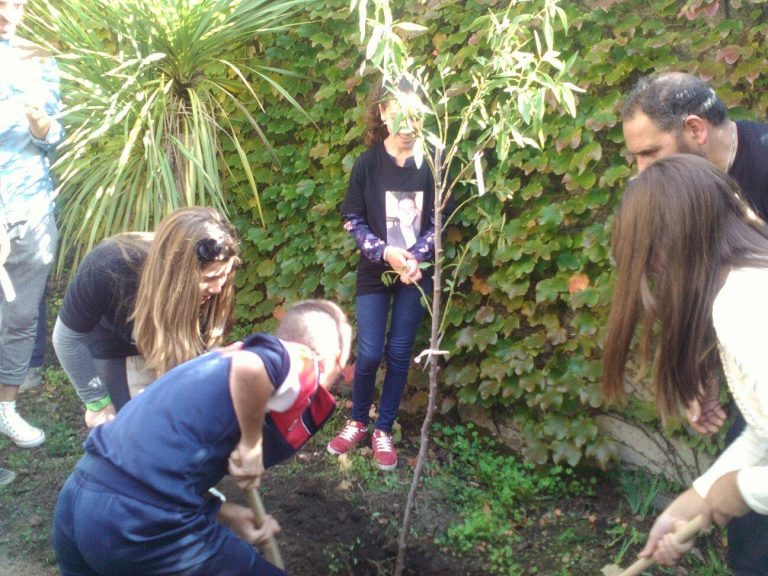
{"points": [[403, 217]]}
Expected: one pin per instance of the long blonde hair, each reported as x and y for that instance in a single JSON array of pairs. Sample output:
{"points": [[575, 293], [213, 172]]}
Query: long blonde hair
{"points": [[170, 325]]}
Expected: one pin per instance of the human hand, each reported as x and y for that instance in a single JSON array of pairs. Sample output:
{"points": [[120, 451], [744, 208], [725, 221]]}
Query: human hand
{"points": [[662, 544], [725, 499], [707, 416], [411, 273], [242, 522], [246, 465], [397, 258], [38, 119], [95, 418]]}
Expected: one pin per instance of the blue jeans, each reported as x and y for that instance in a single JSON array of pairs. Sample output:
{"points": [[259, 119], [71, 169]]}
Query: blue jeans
{"points": [[100, 532], [372, 312]]}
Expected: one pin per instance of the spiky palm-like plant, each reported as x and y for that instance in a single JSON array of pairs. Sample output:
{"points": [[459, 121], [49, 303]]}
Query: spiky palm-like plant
{"points": [[148, 86]]}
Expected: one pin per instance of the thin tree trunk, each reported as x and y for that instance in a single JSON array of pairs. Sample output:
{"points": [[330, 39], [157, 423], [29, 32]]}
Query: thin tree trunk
{"points": [[434, 369]]}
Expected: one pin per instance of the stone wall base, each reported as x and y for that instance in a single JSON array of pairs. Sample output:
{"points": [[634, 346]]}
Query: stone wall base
{"points": [[640, 446]]}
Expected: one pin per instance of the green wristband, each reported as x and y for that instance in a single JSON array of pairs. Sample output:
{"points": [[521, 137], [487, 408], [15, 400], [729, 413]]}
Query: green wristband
{"points": [[99, 404]]}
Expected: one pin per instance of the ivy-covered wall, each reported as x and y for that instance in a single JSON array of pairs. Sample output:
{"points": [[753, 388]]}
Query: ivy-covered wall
{"points": [[525, 334]]}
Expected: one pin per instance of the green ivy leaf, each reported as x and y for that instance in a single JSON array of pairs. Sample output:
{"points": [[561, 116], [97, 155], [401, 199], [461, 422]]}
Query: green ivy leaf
{"points": [[614, 174], [536, 451], [604, 451], [565, 451], [551, 288]]}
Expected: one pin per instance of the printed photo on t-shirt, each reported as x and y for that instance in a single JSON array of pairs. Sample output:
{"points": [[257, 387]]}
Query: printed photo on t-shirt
{"points": [[403, 217]]}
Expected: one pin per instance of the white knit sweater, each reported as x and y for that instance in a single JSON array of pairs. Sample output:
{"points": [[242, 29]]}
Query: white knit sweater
{"points": [[740, 318]]}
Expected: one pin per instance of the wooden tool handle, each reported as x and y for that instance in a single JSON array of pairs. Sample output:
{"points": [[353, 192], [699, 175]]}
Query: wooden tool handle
{"points": [[271, 551], [687, 532]]}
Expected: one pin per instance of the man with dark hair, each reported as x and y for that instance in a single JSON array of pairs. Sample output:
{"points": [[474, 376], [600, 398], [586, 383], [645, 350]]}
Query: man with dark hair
{"points": [[678, 113], [674, 113], [137, 502]]}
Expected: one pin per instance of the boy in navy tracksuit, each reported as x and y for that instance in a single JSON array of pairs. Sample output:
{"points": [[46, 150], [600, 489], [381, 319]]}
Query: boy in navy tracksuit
{"points": [[137, 502]]}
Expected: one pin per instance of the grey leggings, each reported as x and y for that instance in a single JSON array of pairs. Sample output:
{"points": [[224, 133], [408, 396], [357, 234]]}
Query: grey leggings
{"points": [[93, 378]]}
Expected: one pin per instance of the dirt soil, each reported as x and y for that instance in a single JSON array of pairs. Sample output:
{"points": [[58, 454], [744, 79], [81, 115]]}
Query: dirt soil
{"points": [[338, 518]]}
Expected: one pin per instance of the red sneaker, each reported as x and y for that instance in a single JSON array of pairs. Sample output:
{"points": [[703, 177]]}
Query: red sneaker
{"points": [[384, 451], [353, 433]]}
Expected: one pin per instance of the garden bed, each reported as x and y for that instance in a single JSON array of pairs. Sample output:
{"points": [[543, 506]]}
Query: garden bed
{"points": [[343, 517]]}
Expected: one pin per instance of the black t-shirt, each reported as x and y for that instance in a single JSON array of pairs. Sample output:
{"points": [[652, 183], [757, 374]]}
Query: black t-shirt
{"points": [[750, 167], [101, 296], [377, 187]]}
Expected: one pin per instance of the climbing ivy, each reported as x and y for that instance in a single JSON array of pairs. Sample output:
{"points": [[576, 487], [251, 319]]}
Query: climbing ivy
{"points": [[526, 331]]}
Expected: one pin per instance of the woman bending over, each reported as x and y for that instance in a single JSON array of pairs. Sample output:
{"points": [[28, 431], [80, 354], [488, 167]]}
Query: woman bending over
{"points": [[692, 271], [141, 304]]}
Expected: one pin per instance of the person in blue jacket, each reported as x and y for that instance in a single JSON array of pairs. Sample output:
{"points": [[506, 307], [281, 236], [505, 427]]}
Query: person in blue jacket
{"points": [[137, 503], [30, 104]]}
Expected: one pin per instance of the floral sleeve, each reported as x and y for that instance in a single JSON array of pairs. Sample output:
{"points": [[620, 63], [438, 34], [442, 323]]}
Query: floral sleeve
{"points": [[373, 247], [370, 245]]}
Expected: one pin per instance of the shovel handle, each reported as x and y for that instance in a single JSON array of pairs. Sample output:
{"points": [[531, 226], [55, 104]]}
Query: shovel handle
{"points": [[687, 532], [271, 551]]}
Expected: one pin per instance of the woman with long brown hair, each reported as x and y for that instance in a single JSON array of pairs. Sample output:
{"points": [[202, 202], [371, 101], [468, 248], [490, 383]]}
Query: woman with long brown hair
{"points": [[692, 271], [141, 304]]}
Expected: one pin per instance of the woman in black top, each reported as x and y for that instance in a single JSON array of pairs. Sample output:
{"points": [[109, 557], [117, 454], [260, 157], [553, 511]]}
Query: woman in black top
{"points": [[141, 304], [384, 180]]}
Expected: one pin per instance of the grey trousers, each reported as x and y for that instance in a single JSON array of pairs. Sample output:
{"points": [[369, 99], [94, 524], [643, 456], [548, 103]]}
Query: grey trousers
{"points": [[31, 257]]}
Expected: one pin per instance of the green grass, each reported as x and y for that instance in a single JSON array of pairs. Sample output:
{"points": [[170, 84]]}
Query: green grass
{"points": [[491, 492]]}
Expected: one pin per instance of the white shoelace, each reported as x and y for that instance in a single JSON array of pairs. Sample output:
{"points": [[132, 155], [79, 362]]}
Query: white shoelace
{"points": [[349, 432], [384, 443]]}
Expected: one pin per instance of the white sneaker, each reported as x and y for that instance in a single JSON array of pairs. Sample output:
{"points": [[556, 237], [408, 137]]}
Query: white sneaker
{"points": [[18, 429]]}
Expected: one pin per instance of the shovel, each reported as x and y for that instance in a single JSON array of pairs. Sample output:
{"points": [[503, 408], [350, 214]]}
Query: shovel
{"points": [[687, 532], [271, 551]]}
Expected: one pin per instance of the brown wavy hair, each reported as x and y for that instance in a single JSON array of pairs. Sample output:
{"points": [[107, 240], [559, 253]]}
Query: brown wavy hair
{"points": [[680, 227], [170, 325]]}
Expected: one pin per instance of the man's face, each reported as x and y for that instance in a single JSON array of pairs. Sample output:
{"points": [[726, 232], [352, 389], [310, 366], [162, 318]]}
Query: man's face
{"points": [[407, 210], [10, 15], [646, 142]]}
